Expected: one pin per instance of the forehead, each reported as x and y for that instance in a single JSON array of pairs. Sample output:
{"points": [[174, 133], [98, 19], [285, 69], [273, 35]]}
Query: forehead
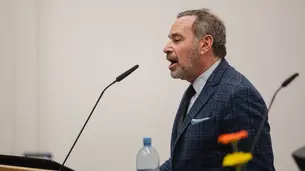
{"points": [[183, 26]]}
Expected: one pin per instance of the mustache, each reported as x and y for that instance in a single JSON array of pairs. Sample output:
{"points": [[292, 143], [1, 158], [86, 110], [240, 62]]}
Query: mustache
{"points": [[168, 56]]}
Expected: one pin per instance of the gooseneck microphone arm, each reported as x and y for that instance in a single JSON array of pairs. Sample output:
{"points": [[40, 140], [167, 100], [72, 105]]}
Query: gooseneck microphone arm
{"points": [[118, 79], [85, 124], [284, 84], [263, 121]]}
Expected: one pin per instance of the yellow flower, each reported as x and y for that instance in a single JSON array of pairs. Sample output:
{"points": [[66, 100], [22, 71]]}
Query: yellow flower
{"points": [[237, 158]]}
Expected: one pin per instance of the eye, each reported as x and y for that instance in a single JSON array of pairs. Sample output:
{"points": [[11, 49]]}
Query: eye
{"points": [[176, 40]]}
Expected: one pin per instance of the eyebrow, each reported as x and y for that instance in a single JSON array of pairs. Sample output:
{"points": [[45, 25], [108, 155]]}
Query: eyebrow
{"points": [[174, 35]]}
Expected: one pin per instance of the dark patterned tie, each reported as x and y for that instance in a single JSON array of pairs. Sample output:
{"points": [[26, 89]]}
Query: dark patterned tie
{"points": [[184, 105]]}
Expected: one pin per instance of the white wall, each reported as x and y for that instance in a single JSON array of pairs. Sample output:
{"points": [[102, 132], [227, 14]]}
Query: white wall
{"points": [[18, 76], [8, 80], [25, 54], [65, 52]]}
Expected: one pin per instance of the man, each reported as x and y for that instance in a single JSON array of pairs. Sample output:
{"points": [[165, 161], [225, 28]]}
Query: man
{"points": [[221, 100]]}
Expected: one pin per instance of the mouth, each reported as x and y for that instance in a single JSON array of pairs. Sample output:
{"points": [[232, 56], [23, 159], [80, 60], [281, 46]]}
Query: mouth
{"points": [[173, 63]]}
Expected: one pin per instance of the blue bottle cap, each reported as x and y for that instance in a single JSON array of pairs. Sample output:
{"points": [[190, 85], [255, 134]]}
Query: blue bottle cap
{"points": [[147, 141]]}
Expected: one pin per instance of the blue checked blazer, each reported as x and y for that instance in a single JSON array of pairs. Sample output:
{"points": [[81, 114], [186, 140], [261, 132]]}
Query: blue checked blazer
{"points": [[229, 103]]}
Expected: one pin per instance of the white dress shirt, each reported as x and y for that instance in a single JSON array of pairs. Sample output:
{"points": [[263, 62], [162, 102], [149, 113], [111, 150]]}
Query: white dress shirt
{"points": [[199, 83]]}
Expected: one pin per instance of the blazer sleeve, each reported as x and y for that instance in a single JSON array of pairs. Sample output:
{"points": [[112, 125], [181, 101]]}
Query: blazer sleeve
{"points": [[166, 166], [245, 112]]}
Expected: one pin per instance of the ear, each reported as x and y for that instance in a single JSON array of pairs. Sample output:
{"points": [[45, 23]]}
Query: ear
{"points": [[205, 44]]}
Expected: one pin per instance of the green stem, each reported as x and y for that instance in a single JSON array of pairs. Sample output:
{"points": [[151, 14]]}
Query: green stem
{"points": [[235, 148], [238, 168]]}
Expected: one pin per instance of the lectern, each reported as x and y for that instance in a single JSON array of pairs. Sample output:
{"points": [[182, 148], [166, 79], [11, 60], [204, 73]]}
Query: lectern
{"points": [[299, 157], [20, 163]]}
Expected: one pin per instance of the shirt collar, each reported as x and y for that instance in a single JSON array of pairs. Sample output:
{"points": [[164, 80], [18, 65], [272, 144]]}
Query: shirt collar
{"points": [[199, 83]]}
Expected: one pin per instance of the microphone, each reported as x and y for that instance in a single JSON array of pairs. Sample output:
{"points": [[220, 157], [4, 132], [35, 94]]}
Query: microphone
{"points": [[290, 79], [284, 84], [126, 73], [118, 79]]}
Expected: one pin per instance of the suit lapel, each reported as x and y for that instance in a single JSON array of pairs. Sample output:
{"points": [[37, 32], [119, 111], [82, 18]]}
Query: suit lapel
{"points": [[174, 129], [202, 99]]}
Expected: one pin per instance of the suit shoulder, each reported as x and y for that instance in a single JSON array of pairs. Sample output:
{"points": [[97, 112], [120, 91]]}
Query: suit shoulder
{"points": [[235, 88], [234, 83]]}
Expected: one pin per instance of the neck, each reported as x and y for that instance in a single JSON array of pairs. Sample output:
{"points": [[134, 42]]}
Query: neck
{"points": [[204, 65]]}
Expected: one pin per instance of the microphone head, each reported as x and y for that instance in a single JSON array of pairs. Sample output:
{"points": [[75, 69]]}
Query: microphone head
{"points": [[289, 80], [126, 73], [135, 67]]}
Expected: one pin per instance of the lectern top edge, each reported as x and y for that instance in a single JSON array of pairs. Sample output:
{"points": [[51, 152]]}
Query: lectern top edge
{"points": [[29, 162]]}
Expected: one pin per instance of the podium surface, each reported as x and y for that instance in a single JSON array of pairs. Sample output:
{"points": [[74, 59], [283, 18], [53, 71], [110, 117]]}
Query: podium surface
{"points": [[299, 157], [16, 168], [20, 163]]}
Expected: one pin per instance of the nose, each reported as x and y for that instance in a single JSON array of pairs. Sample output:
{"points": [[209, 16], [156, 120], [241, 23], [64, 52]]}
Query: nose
{"points": [[168, 48]]}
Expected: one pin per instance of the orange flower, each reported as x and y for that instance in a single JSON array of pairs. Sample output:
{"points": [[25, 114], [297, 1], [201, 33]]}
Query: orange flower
{"points": [[232, 137]]}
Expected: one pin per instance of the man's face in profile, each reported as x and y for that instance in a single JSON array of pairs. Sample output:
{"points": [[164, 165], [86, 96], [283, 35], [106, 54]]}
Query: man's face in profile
{"points": [[182, 49]]}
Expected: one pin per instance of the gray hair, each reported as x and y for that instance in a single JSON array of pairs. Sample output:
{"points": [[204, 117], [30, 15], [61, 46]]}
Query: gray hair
{"points": [[207, 23]]}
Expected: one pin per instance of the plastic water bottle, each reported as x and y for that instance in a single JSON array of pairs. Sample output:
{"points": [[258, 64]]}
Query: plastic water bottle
{"points": [[147, 157]]}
